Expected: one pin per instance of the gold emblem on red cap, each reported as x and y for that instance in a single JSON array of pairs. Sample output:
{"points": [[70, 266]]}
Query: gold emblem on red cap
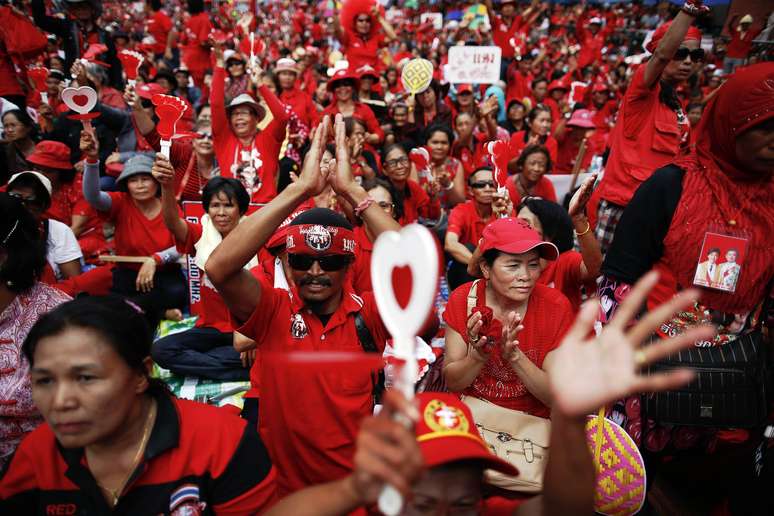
{"points": [[441, 417]]}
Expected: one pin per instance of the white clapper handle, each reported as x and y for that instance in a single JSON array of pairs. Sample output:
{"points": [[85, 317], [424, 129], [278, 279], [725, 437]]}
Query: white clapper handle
{"points": [[166, 145], [415, 247]]}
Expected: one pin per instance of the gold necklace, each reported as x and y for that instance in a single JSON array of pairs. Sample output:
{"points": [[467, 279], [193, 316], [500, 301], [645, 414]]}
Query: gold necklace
{"points": [[115, 494]]}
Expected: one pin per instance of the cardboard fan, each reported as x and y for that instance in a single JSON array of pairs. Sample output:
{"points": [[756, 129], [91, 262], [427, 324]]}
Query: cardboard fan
{"points": [[417, 75], [131, 62], [81, 100], [400, 263], [38, 76], [169, 109]]}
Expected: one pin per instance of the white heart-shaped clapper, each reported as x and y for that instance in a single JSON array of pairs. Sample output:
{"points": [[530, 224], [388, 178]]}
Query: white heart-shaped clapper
{"points": [[413, 246], [81, 100]]}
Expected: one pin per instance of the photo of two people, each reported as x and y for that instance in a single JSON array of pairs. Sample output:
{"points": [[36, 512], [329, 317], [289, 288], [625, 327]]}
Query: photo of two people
{"points": [[720, 262]]}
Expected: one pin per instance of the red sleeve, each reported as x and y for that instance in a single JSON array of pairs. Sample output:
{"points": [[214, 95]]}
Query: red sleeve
{"points": [[166, 23], [193, 235], [218, 103], [455, 314], [370, 120], [545, 189], [456, 220], [259, 325], [637, 103], [278, 125], [568, 268], [116, 205], [374, 321]]}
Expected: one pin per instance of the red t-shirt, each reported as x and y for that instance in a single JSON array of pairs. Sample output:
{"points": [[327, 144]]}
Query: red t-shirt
{"points": [[361, 271], [310, 419], [502, 34], [739, 46], [361, 52], [564, 274], [210, 307], [549, 316], [159, 26], [519, 143], [466, 223], [544, 188], [195, 55], [418, 204], [136, 235]]}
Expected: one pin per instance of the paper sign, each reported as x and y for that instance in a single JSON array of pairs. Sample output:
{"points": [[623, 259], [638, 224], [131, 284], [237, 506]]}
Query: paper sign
{"points": [[480, 65], [436, 18]]}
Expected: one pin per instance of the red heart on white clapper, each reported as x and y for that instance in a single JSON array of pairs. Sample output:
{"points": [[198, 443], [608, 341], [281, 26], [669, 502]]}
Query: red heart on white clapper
{"points": [[81, 100]]}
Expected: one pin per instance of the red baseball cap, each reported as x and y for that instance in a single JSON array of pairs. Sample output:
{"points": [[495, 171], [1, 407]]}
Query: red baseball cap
{"points": [[341, 75], [581, 118], [462, 88], [446, 432], [599, 86], [51, 154], [148, 90], [558, 84], [515, 236]]}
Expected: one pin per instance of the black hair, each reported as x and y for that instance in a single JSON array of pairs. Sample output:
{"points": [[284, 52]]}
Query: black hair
{"points": [[434, 128], [715, 250], [668, 96], [30, 181], [125, 326], [195, 6], [233, 189], [398, 196], [556, 222], [389, 148], [349, 124], [476, 171], [24, 118], [323, 217], [490, 256], [537, 80], [533, 149], [370, 184], [22, 244], [155, 5], [169, 76], [535, 111]]}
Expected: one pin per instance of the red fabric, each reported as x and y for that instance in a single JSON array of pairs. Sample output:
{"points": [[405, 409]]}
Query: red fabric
{"points": [[363, 112], [549, 316], [692, 34], [196, 53], [310, 420], [302, 104], [418, 204], [361, 270], [544, 188], [183, 160], [717, 189], [502, 34], [564, 274], [211, 309], [466, 223], [646, 137], [267, 142], [135, 234], [740, 45], [518, 144], [159, 26], [568, 152]]}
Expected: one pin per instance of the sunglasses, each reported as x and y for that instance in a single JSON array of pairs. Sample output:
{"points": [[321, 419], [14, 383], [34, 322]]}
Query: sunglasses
{"points": [[29, 202], [697, 54], [328, 263], [204, 136], [392, 163], [482, 184]]}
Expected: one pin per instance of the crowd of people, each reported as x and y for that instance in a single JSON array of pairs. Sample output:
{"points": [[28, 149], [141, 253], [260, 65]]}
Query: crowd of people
{"points": [[602, 214]]}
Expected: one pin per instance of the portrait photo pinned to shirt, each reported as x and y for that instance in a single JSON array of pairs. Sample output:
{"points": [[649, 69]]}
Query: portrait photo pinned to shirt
{"points": [[720, 262]]}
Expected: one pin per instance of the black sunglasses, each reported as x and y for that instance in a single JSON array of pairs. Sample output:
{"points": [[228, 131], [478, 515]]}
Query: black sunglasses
{"points": [[202, 135], [697, 54], [328, 263], [482, 184], [30, 202]]}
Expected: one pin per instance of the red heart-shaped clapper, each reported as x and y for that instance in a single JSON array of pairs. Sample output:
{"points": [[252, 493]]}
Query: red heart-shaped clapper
{"points": [[401, 285], [168, 115], [80, 100]]}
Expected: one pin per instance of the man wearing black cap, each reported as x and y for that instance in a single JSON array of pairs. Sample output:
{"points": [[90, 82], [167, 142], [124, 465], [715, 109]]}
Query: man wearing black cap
{"points": [[309, 420]]}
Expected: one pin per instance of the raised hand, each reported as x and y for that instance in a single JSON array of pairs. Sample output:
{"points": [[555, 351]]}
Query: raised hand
{"points": [[163, 172], [132, 99], [313, 178], [587, 373], [340, 178], [89, 144], [582, 196]]}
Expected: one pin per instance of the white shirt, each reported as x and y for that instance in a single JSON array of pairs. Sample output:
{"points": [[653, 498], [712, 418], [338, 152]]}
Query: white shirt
{"points": [[62, 246]]}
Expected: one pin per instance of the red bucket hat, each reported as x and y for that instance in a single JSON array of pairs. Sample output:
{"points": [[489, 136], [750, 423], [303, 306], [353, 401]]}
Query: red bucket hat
{"points": [[446, 432], [51, 154], [343, 74], [515, 236]]}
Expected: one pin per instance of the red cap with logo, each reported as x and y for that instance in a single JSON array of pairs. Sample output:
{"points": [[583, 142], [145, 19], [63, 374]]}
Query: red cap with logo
{"points": [[515, 236], [446, 432]]}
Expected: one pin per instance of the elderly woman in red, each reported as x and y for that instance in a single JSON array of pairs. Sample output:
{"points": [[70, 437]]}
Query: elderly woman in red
{"points": [[343, 85], [291, 94], [498, 348], [719, 195], [358, 31], [244, 151], [652, 127], [530, 178]]}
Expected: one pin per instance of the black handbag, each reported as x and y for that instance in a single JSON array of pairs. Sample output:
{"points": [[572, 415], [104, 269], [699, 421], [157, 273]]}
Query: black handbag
{"points": [[732, 387]]}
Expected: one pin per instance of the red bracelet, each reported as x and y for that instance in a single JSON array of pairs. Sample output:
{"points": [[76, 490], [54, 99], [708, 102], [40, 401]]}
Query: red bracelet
{"points": [[364, 205]]}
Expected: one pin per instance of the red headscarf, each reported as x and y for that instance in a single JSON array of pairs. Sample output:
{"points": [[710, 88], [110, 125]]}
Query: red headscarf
{"points": [[720, 195], [692, 34]]}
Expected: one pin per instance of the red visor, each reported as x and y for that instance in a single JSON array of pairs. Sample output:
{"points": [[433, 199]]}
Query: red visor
{"points": [[317, 239]]}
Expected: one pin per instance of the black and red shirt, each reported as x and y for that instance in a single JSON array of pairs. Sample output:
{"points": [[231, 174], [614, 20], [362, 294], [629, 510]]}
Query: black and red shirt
{"points": [[199, 460]]}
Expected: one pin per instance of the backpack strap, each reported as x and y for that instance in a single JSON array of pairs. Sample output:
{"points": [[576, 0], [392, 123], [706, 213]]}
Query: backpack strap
{"points": [[369, 346]]}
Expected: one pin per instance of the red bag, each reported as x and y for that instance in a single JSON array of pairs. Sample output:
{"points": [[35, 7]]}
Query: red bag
{"points": [[20, 36]]}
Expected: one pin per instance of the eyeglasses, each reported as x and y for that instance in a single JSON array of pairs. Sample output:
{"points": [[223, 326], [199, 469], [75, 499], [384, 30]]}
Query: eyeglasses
{"points": [[392, 163], [386, 205], [328, 263], [697, 54], [29, 202], [482, 184]]}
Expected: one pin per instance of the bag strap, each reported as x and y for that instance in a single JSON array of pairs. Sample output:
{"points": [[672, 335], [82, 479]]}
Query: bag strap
{"points": [[369, 346], [472, 298]]}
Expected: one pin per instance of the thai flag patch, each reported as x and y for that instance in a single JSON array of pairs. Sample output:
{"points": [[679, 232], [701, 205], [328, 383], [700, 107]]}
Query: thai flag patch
{"points": [[185, 500]]}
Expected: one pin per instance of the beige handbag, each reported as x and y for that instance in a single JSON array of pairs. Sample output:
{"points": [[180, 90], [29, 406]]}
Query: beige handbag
{"points": [[516, 437]]}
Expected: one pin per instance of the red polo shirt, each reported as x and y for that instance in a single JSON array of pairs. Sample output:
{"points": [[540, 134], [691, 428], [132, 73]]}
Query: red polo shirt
{"points": [[544, 188], [361, 278], [564, 274], [466, 223], [361, 52], [209, 306], [310, 419], [198, 457]]}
